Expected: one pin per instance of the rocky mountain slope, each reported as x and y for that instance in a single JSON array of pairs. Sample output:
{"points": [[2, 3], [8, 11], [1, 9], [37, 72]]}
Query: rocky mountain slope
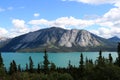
{"points": [[59, 40]]}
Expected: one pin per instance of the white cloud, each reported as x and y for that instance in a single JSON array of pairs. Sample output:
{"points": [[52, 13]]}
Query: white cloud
{"points": [[96, 2], [3, 32], [38, 22], [18, 23], [19, 27], [63, 22], [36, 14], [110, 23]]}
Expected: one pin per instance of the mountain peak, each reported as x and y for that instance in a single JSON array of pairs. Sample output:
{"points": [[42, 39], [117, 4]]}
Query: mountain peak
{"points": [[114, 39], [55, 27]]}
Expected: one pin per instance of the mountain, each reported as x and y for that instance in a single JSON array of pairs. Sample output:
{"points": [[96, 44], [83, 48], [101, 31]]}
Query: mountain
{"points": [[4, 41], [58, 40], [114, 39]]}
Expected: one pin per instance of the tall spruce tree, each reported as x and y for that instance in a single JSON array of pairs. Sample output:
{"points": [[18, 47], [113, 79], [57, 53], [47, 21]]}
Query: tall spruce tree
{"points": [[81, 68], [69, 65], [81, 61], [11, 70], [100, 59], [110, 58], [31, 64], [1, 61], [14, 66], [46, 62], [118, 50], [38, 69], [26, 67], [2, 69]]}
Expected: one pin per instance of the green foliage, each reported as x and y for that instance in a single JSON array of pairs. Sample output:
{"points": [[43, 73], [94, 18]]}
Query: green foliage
{"points": [[60, 76], [65, 76], [19, 68], [53, 67]]}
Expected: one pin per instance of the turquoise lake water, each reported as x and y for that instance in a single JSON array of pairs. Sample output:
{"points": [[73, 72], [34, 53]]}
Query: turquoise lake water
{"points": [[60, 59]]}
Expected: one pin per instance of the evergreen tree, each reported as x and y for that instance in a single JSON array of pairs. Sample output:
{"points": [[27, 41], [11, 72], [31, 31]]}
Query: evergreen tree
{"points": [[46, 62], [81, 61], [31, 64], [19, 68], [11, 69], [38, 69], [118, 50], [70, 68], [69, 65], [100, 55], [86, 61], [81, 67], [1, 61], [101, 60], [110, 58], [2, 69], [14, 66], [26, 67]]}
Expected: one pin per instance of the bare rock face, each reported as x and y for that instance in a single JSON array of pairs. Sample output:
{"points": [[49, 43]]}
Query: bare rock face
{"points": [[68, 38], [78, 38], [85, 38]]}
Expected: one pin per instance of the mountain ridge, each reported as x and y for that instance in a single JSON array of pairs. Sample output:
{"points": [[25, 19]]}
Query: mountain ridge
{"points": [[58, 39]]}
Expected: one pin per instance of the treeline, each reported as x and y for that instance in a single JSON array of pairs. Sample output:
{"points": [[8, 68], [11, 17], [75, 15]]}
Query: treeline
{"points": [[100, 69]]}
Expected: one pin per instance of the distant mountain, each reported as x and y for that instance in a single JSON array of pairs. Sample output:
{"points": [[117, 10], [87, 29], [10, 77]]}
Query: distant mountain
{"points": [[59, 40], [114, 39], [3, 38], [4, 41]]}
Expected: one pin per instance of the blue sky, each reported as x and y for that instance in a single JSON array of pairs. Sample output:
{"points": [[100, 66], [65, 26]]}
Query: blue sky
{"points": [[18, 17]]}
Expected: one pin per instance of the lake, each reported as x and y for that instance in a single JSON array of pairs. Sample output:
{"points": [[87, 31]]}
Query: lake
{"points": [[60, 59]]}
